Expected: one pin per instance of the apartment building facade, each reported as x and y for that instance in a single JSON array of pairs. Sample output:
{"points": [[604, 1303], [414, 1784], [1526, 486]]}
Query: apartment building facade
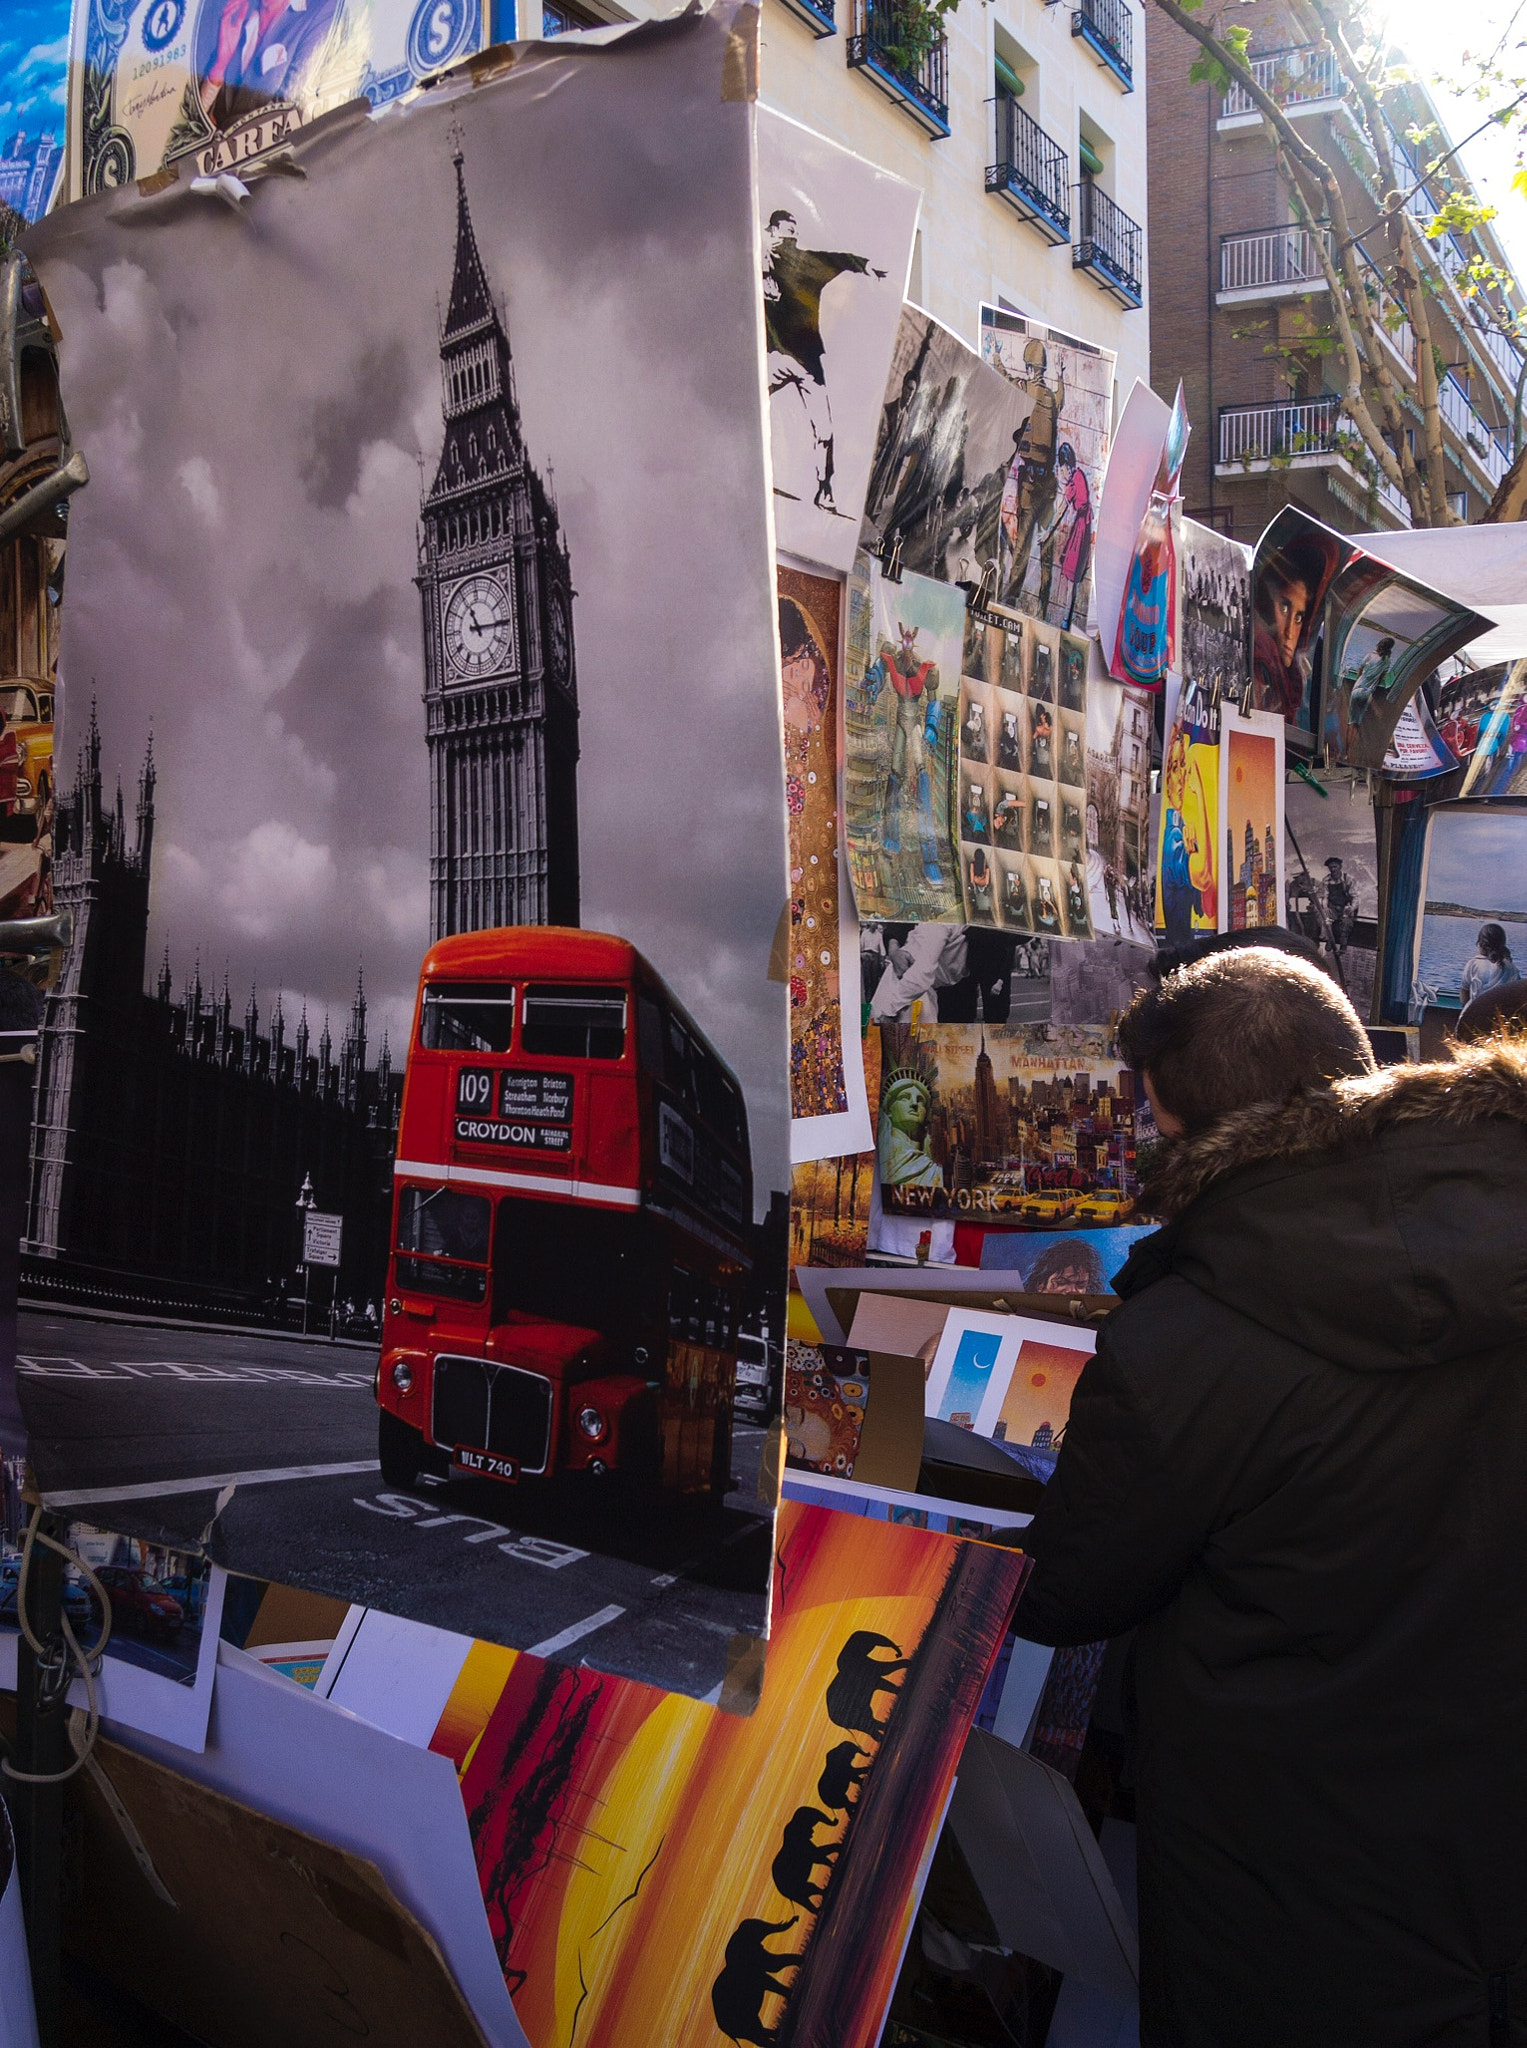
{"points": [[1242, 303], [1023, 126]]}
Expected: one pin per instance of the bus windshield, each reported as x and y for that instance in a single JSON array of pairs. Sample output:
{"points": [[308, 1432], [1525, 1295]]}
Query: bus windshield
{"points": [[440, 1224], [467, 1017], [593, 1268]]}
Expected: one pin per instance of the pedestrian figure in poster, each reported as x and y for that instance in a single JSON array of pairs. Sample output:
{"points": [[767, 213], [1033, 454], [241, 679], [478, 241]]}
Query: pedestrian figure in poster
{"points": [[1041, 756], [1315, 1373], [1029, 491], [794, 281], [1491, 966], [1007, 741], [1075, 515], [914, 742]]}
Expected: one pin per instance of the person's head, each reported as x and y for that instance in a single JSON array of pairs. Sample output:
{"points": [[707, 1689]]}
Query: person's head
{"points": [[1249, 1025], [781, 227], [1288, 606], [1065, 457], [1492, 942], [1067, 1267], [1385, 647]]}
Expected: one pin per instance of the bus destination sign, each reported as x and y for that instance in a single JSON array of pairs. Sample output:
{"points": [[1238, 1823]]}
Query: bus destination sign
{"points": [[499, 1106]]}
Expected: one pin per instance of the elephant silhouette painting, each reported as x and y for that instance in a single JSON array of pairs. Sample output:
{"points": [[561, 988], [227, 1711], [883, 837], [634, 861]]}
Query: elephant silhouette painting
{"points": [[800, 1856], [751, 1971], [843, 1771], [862, 1674]]}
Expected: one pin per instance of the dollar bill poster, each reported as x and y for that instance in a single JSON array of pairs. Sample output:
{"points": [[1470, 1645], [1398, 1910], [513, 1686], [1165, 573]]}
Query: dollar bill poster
{"points": [[656, 1871], [1020, 778], [900, 707], [828, 1109], [1036, 1126], [837, 236], [231, 80], [1055, 474]]}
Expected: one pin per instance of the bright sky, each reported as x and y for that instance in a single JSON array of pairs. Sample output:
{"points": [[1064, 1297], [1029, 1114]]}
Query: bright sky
{"points": [[1428, 34]]}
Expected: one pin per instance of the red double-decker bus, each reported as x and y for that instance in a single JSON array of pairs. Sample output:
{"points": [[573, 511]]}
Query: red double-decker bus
{"points": [[571, 1222]]}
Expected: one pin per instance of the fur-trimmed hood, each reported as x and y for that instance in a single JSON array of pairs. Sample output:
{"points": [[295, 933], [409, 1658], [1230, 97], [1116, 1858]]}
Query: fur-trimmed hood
{"points": [[1382, 1221]]}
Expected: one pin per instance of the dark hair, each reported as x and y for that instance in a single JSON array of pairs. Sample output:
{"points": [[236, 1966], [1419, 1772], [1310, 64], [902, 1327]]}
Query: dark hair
{"points": [[1257, 1024], [1067, 454], [1066, 1256], [1492, 942], [781, 213], [1167, 959]]}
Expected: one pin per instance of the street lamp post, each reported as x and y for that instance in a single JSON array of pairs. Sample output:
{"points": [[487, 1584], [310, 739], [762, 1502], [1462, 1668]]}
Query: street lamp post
{"points": [[306, 1200]]}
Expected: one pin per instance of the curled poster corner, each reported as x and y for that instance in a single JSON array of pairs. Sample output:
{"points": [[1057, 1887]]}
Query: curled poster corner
{"points": [[225, 186], [218, 1507]]}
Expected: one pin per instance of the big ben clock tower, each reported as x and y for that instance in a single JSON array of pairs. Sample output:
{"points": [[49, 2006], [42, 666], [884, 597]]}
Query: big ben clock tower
{"points": [[500, 689]]}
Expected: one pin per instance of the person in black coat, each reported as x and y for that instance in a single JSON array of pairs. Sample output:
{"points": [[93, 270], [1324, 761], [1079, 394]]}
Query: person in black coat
{"points": [[1298, 1465]]}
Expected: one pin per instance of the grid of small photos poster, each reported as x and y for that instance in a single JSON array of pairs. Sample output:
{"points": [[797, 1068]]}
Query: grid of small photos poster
{"points": [[1021, 769]]}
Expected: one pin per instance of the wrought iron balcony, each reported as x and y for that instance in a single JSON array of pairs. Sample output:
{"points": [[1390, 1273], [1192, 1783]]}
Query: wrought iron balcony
{"points": [[1030, 171], [1269, 260], [1471, 429], [1252, 436], [820, 16], [1302, 76], [1108, 243], [889, 45], [1108, 30]]}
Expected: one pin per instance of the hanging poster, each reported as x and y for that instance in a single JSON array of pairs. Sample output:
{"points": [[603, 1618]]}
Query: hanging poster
{"points": [[828, 1110], [655, 1871], [1055, 473], [1119, 721], [1332, 891], [1134, 462], [1215, 610], [34, 39], [949, 437], [837, 239], [1037, 1126], [1020, 777], [1187, 854], [1292, 569], [1383, 637], [1147, 640], [1492, 715], [1471, 935], [1416, 749], [953, 974], [227, 83], [900, 709], [1464, 705], [1251, 819], [1093, 984], [441, 725], [830, 1202]]}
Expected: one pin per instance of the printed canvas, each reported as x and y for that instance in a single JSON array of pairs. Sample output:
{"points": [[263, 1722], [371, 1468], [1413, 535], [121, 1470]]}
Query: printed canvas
{"points": [[1384, 636], [1055, 474], [656, 1871], [826, 1391], [949, 455], [837, 238], [1214, 608], [1080, 1262], [828, 1109], [1119, 725], [1187, 851], [1471, 935], [1292, 569], [1035, 1126], [34, 39], [953, 974], [1332, 888], [1020, 778], [402, 1030], [900, 709], [1251, 819]]}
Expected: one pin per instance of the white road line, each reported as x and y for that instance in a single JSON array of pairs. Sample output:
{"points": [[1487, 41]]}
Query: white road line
{"points": [[586, 1627], [209, 1482]]}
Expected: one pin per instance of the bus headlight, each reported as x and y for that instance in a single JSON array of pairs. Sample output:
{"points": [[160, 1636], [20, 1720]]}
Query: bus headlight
{"points": [[591, 1422], [402, 1375]]}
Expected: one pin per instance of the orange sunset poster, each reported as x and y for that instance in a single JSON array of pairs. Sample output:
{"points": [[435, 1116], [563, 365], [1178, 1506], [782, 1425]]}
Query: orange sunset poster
{"points": [[1251, 819], [656, 1870]]}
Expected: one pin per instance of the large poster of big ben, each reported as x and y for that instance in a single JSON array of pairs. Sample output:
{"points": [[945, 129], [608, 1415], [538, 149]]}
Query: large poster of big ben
{"points": [[412, 1105]]}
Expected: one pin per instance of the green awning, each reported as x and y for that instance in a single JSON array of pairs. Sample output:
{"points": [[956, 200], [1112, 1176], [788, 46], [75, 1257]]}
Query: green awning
{"points": [[1091, 161], [1008, 78]]}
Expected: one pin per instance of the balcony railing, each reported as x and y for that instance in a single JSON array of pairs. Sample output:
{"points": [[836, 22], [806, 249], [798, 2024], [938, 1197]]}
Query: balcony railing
{"points": [[1030, 170], [1108, 30], [820, 16], [1504, 353], [1260, 433], [888, 45], [1267, 257], [1296, 77], [1108, 243], [1393, 324], [1472, 429]]}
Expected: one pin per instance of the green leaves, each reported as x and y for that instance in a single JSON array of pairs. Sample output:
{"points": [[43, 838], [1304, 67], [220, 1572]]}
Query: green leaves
{"points": [[1207, 67]]}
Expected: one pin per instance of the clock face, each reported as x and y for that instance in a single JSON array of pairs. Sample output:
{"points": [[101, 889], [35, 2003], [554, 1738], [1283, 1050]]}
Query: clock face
{"points": [[479, 626], [559, 632]]}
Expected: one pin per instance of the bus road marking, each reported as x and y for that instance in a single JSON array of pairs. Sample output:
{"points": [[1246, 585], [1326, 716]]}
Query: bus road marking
{"points": [[541, 1550], [579, 1629]]}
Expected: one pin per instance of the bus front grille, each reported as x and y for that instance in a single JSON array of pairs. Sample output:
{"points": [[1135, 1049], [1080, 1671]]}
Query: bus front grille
{"points": [[483, 1406]]}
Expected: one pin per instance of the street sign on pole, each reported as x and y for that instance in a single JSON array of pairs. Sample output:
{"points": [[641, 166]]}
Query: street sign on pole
{"points": [[321, 1234]]}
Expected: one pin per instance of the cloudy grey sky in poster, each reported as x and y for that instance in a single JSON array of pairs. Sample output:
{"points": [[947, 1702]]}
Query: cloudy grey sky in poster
{"points": [[255, 391]]}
